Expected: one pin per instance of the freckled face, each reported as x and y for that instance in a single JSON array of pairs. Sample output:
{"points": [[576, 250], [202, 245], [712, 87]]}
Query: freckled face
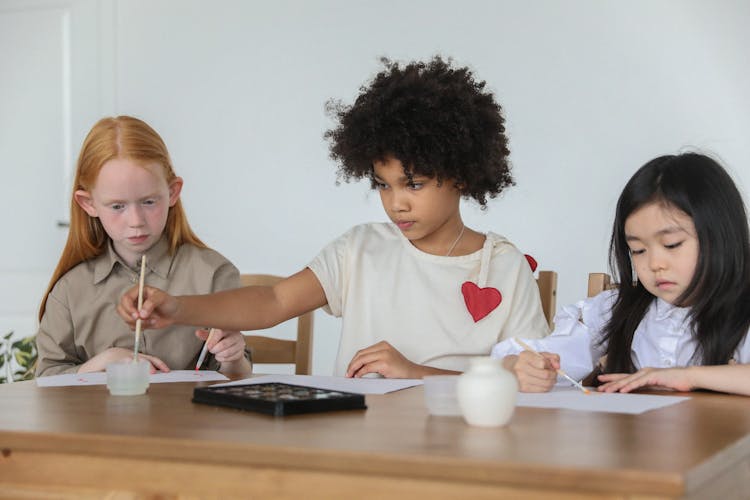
{"points": [[664, 249], [132, 202], [426, 213]]}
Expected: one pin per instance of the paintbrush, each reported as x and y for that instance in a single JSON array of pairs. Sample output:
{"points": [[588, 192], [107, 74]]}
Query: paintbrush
{"points": [[204, 351], [560, 371], [140, 304]]}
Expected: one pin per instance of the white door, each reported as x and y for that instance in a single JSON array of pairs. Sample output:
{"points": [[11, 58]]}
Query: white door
{"points": [[50, 79]]}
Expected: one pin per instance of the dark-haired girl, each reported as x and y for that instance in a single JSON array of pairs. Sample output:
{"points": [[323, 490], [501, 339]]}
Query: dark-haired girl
{"points": [[680, 315]]}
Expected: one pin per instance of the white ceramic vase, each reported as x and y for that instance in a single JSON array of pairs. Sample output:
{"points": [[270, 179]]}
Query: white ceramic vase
{"points": [[487, 393]]}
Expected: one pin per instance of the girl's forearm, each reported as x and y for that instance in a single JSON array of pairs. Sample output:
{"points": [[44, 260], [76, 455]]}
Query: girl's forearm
{"points": [[734, 379], [237, 369], [253, 307], [249, 308]]}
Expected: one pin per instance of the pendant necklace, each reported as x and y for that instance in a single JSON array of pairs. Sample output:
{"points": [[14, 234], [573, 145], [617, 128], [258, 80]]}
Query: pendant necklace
{"points": [[463, 228]]}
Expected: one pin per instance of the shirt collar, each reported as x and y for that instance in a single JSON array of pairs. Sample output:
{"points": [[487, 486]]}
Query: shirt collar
{"points": [[665, 310], [158, 261]]}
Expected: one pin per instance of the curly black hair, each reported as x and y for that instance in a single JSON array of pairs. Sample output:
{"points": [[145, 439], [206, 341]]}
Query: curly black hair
{"points": [[436, 119]]}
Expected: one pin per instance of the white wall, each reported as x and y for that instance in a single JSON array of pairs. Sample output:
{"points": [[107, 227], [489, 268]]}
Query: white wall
{"points": [[592, 89]]}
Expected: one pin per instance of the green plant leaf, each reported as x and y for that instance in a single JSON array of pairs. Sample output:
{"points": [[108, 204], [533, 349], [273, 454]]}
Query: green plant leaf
{"points": [[25, 353], [27, 344], [25, 359], [20, 375]]}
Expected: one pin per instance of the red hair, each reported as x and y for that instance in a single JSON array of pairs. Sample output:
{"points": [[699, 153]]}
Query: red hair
{"points": [[115, 137]]}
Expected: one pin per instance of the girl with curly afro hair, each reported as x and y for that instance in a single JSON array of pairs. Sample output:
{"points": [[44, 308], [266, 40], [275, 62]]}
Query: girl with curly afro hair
{"points": [[424, 293], [435, 119]]}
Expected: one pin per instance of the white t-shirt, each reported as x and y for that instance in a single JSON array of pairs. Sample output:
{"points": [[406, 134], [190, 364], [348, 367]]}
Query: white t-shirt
{"points": [[663, 339], [385, 288]]}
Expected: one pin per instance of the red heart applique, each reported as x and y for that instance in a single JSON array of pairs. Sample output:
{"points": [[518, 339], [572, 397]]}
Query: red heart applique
{"points": [[480, 301], [532, 262]]}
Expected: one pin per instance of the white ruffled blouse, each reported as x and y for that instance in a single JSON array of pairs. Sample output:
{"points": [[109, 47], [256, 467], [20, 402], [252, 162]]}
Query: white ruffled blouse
{"points": [[662, 340]]}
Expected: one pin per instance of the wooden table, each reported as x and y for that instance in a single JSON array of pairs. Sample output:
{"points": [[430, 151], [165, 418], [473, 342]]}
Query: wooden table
{"points": [[81, 442]]}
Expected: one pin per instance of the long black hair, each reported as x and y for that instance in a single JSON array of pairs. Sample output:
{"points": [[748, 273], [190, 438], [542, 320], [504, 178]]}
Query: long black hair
{"points": [[719, 293]]}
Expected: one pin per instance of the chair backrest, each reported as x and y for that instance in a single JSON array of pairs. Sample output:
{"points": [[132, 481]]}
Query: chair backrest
{"points": [[275, 351], [598, 282], [547, 283]]}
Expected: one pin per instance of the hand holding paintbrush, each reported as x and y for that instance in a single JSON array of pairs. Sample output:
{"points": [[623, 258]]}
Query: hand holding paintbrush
{"points": [[559, 371], [204, 351]]}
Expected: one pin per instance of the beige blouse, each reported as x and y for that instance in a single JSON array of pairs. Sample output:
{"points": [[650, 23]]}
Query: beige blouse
{"points": [[80, 319]]}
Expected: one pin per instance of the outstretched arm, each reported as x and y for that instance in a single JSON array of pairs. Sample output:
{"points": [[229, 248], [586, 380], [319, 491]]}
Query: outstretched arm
{"points": [[734, 379], [248, 308]]}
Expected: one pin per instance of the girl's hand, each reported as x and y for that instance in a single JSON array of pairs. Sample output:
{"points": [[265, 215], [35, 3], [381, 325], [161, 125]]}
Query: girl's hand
{"points": [[159, 308], [228, 347], [670, 378], [384, 359], [535, 373], [114, 354], [224, 345]]}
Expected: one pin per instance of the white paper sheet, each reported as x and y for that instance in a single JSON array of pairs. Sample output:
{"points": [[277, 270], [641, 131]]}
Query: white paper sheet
{"points": [[344, 384], [100, 378], [573, 399]]}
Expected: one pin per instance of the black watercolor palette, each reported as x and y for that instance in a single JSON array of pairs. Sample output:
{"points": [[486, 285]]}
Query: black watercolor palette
{"points": [[278, 399]]}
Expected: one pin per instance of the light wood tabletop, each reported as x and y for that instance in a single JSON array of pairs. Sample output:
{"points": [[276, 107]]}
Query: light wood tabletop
{"points": [[80, 442]]}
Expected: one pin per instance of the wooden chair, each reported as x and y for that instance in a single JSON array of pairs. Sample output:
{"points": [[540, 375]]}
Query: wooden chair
{"points": [[277, 351], [547, 283], [598, 282]]}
